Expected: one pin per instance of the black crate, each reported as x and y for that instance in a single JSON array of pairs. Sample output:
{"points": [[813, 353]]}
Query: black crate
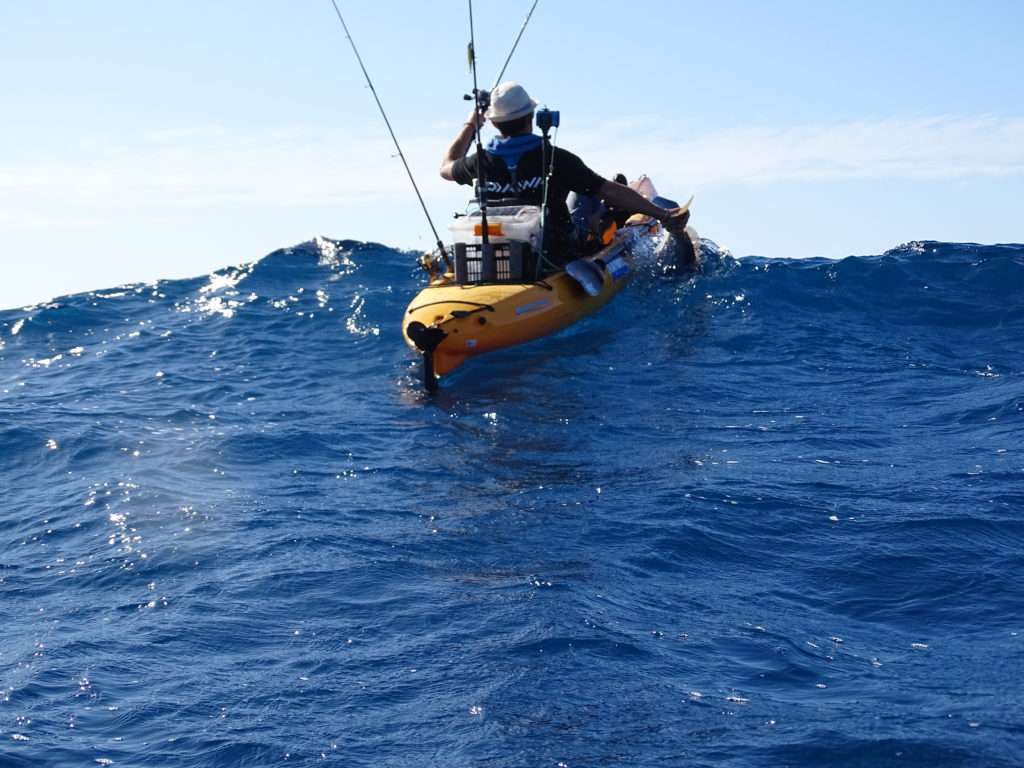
{"points": [[513, 262]]}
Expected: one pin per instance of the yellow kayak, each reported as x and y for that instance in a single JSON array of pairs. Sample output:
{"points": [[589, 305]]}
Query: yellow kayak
{"points": [[449, 322]]}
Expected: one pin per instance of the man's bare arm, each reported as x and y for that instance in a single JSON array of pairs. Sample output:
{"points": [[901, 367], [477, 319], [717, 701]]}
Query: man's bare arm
{"points": [[626, 199], [460, 146]]}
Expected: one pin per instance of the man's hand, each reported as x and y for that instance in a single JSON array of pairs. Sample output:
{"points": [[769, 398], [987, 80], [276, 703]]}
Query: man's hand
{"points": [[676, 220], [475, 120]]}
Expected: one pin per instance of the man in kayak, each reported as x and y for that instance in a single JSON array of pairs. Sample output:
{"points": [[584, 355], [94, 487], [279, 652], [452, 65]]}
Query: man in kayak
{"points": [[512, 169]]}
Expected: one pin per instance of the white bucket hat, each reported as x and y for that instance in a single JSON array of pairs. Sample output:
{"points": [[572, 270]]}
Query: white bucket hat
{"points": [[508, 102]]}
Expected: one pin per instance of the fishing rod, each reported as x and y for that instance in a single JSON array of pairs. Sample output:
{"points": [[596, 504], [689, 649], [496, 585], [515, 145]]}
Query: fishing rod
{"points": [[423, 205], [546, 120], [481, 100], [515, 44]]}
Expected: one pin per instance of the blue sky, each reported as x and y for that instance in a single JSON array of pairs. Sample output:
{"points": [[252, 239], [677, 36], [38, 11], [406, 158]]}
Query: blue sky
{"points": [[140, 141]]}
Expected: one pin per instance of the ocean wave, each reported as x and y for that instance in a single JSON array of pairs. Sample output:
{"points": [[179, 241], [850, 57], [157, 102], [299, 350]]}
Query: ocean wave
{"points": [[765, 514]]}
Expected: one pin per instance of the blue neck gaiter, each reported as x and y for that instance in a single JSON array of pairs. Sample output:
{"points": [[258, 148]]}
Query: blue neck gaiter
{"points": [[512, 148]]}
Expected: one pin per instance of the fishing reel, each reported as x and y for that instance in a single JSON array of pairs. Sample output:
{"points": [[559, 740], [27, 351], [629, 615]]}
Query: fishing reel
{"points": [[481, 97], [547, 119]]}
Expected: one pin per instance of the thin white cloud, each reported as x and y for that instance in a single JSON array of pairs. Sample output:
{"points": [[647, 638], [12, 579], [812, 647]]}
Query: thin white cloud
{"points": [[191, 172], [177, 135], [927, 148], [205, 167]]}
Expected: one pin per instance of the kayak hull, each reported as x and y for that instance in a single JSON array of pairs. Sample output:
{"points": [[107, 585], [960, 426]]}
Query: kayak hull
{"points": [[450, 323]]}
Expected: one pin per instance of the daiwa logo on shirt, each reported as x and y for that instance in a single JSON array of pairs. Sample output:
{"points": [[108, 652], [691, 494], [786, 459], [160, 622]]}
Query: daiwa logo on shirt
{"points": [[514, 187]]}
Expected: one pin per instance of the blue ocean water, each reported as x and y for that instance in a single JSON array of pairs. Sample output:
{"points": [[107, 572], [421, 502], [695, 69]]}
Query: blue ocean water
{"points": [[766, 516]]}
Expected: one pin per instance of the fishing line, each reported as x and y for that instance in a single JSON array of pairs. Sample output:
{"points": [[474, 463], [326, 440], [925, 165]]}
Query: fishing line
{"points": [[394, 138]]}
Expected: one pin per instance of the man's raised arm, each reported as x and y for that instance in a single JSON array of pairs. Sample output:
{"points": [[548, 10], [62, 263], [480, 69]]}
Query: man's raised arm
{"points": [[458, 148]]}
